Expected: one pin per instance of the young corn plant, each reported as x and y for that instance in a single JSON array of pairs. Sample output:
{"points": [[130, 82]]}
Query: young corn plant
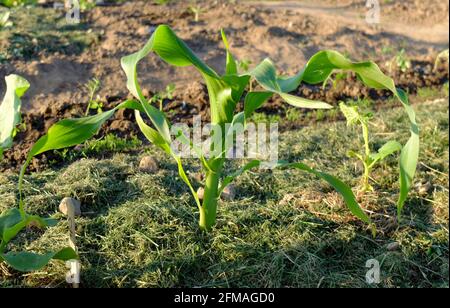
{"points": [[368, 159], [15, 220], [225, 91]]}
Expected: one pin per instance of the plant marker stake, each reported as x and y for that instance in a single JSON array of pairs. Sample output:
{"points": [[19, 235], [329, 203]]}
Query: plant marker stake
{"points": [[73, 276]]}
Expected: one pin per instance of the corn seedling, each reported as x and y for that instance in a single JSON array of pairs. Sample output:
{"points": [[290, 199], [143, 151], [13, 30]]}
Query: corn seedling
{"points": [[368, 159], [225, 92], [94, 103]]}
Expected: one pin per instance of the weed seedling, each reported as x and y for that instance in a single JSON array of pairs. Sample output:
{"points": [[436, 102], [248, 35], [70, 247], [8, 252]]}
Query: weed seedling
{"points": [[161, 96], [368, 159], [94, 103], [399, 61], [196, 11]]}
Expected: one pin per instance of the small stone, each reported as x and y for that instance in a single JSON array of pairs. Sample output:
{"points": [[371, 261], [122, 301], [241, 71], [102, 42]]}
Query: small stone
{"points": [[393, 246], [148, 164], [67, 203], [201, 193], [198, 176], [229, 193], [143, 31]]}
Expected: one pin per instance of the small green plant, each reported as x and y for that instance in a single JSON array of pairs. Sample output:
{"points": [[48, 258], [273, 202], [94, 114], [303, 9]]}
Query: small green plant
{"points": [[400, 61], [196, 10], [368, 159], [225, 92], [16, 87], [161, 96], [94, 103]]}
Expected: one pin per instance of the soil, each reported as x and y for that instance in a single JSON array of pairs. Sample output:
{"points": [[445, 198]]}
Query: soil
{"points": [[289, 32]]}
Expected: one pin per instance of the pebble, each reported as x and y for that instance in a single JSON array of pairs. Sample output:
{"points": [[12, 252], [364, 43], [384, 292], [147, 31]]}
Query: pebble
{"points": [[393, 246]]}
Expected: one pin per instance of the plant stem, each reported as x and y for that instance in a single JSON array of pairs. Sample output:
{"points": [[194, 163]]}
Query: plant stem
{"points": [[365, 129], [365, 184], [365, 181], [208, 210]]}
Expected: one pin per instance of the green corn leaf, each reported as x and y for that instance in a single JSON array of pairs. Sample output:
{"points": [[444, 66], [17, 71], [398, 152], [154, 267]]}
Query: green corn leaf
{"points": [[152, 135], [265, 75], [16, 87], [388, 149], [70, 132], [174, 51], [231, 67], [9, 219], [342, 188], [28, 261], [12, 222], [254, 100], [300, 102]]}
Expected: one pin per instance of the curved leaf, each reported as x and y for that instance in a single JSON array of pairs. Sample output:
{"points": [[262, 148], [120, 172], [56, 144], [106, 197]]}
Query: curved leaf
{"points": [[16, 87], [28, 261], [254, 100], [9, 219], [231, 66], [343, 189], [388, 149], [265, 74]]}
